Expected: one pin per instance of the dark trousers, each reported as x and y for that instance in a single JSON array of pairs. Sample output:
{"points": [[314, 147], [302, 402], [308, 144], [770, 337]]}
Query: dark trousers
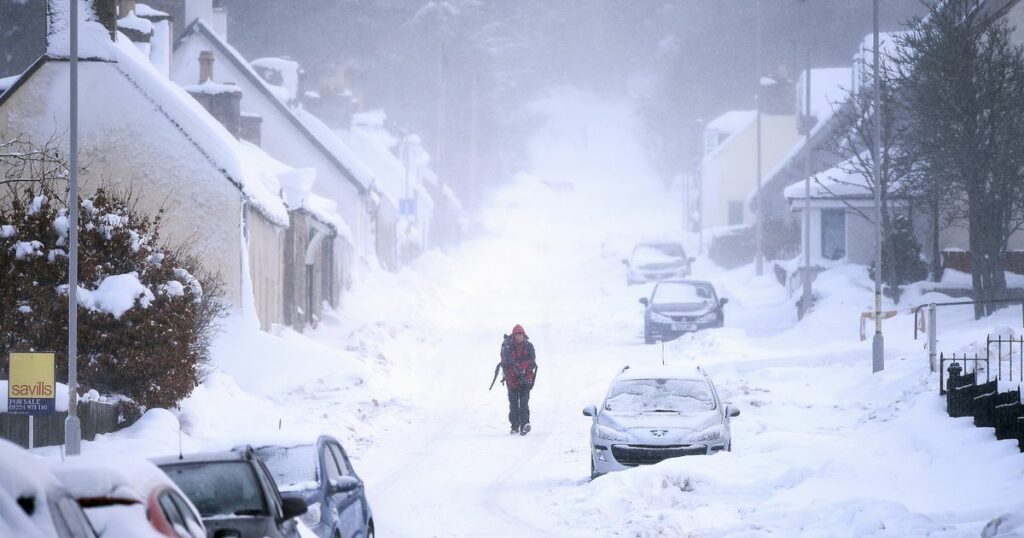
{"points": [[519, 407]]}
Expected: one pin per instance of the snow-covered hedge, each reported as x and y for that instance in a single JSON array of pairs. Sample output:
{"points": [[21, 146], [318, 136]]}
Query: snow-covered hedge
{"points": [[146, 312]]}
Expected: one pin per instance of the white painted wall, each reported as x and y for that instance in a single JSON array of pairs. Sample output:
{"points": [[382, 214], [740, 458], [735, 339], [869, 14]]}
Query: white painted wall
{"points": [[138, 151]]}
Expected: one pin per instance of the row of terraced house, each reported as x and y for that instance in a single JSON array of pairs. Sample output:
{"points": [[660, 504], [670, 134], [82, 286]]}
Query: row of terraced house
{"points": [[287, 209]]}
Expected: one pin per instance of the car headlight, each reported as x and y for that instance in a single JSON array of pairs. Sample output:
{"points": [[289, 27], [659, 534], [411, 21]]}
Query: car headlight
{"points": [[707, 435], [609, 434], [660, 318], [710, 316]]}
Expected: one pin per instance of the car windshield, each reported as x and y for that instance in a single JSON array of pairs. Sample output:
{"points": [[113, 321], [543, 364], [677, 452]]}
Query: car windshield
{"points": [[660, 395], [291, 465], [657, 253], [220, 488], [682, 293]]}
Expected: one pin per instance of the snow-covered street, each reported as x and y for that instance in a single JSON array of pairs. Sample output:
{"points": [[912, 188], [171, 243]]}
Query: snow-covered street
{"points": [[822, 447]]}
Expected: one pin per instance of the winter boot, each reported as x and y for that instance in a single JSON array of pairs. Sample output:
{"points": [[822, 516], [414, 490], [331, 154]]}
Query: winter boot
{"points": [[514, 431], [525, 430]]}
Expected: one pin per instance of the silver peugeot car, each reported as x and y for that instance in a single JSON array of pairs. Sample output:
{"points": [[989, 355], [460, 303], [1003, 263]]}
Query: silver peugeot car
{"points": [[652, 414]]}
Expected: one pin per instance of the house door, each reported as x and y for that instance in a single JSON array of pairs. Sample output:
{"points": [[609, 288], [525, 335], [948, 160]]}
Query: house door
{"points": [[833, 233]]}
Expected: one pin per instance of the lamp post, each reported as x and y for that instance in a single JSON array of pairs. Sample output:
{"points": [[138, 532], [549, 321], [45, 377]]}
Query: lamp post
{"points": [[806, 127], [759, 228], [878, 342], [72, 427]]}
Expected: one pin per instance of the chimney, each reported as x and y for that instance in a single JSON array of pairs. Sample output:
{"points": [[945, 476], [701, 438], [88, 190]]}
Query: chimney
{"points": [[250, 128], [220, 20], [222, 101], [106, 14], [205, 66], [160, 42], [777, 95], [135, 28]]}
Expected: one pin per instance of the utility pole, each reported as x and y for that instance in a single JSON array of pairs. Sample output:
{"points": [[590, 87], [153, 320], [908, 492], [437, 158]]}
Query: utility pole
{"points": [[758, 225], [807, 126], [72, 426], [878, 342]]}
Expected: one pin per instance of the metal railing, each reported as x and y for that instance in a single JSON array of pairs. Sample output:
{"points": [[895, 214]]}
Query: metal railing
{"points": [[1005, 362], [955, 359], [931, 325], [917, 309]]}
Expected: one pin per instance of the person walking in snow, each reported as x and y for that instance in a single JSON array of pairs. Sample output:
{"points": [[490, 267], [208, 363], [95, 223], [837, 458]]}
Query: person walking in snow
{"points": [[519, 364]]}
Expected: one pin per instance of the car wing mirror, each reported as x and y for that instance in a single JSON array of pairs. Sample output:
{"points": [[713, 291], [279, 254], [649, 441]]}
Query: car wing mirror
{"points": [[292, 507], [590, 411], [625, 261], [644, 301], [691, 259], [344, 484], [732, 410], [723, 301]]}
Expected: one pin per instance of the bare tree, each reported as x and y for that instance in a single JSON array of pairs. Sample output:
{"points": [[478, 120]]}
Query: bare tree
{"points": [[854, 145], [963, 83]]}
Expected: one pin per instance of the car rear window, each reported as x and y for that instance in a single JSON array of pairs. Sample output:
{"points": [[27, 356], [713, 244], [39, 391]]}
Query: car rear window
{"points": [[660, 395], [220, 488], [291, 465]]}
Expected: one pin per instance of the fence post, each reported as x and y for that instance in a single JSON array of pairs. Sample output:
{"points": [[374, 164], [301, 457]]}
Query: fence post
{"points": [[932, 330]]}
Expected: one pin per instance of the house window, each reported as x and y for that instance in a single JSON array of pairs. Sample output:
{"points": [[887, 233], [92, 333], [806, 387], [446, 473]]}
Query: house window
{"points": [[735, 213], [833, 233]]}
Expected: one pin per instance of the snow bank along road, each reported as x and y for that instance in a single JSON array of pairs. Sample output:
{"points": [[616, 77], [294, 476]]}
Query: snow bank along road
{"points": [[822, 448]]}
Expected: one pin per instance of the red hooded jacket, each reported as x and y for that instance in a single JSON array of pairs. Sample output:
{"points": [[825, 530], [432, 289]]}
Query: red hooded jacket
{"points": [[518, 361]]}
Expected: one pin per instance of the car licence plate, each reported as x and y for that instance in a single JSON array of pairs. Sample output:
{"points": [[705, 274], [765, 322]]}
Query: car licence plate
{"points": [[684, 327]]}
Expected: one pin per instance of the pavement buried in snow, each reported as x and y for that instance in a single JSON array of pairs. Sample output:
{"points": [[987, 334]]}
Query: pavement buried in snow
{"points": [[822, 447]]}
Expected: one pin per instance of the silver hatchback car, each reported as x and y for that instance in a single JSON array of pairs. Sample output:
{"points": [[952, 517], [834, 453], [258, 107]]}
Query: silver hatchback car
{"points": [[652, 414]]}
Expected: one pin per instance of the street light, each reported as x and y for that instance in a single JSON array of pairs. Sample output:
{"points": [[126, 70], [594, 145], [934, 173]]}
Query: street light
{"points": [[878, 342], [758, 225], [72, 427]]}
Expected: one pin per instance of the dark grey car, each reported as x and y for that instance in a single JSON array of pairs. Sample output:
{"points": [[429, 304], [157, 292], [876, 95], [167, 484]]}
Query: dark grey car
{"points": [[235, 494], [323, 475], [679, 306]]}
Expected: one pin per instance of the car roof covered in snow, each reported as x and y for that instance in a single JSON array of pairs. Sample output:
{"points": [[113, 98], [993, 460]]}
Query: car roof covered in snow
{"points": [[662, 372], [204, 457]]}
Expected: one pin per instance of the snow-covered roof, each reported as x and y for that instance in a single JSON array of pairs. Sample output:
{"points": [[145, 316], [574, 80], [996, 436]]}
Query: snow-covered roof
{"points": [[296, 187], [288, 69], [93, 38], [373, 146], [148, 12], [274, 94], [334, 145], [198, 128], [732, 121], [131, 21], [840, 181], [829, 88]]}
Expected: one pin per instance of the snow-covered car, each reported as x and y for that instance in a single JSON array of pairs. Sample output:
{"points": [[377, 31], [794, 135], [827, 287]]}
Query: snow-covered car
{"points": [[33, 503], [129, 497], [235, 493], [656, 413], [651, 262], [322, 474], [679, 306]]}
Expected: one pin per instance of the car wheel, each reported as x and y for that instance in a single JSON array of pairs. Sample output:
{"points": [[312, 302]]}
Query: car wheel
{"points": [[728, 447], [593, 471]]}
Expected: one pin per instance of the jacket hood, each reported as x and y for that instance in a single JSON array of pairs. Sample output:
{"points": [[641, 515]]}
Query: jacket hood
{"points": [[518, 329]]}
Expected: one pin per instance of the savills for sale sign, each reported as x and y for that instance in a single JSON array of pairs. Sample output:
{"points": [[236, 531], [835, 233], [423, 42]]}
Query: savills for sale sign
{"points": [[32, 389]]}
